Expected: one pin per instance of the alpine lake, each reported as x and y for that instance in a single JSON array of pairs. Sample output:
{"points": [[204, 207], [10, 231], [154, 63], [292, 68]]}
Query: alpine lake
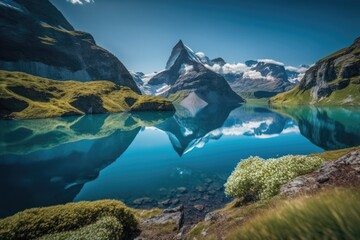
{"points": [[156, 159]]}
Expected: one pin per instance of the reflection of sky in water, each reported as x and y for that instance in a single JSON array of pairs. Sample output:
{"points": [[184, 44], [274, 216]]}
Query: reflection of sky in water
{"points": [[127, 157], [151, 163]]}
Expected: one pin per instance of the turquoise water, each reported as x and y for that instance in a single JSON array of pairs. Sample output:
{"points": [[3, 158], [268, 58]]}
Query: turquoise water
{"points": [[156, 159]]}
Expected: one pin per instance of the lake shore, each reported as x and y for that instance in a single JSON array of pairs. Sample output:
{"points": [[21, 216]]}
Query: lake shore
{"points": [[169, 223]]}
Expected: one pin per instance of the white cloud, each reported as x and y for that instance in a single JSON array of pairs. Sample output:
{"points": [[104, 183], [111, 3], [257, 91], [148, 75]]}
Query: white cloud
{"points": [[81, 2], [200, 54], [296, 69], [236, 68], [185, 69], [300, 70], [270, 61]]}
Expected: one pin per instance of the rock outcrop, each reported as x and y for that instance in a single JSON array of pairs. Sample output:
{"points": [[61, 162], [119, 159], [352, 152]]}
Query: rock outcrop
{"points": [[334, 80], [35, 38], [342, 172]]}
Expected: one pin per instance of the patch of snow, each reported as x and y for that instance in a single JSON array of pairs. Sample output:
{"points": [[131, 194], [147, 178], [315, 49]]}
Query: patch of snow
{"points": [[193, 103], [203, 58], [185, 69], [155, 90], [192, 54], [271, 61]]}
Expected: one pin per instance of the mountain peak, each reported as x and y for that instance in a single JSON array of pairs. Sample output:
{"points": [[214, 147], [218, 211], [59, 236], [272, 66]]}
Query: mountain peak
{"points": [[183, 51], [180, 44]]}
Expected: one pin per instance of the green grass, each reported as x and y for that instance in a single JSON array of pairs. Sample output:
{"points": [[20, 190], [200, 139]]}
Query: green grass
{"points": [[335, 154], [332, 214], [47, 40], [43, 98], [103, 229], [348, 96], [37, 222], [72, 33], [238, 213], [178, 96]]}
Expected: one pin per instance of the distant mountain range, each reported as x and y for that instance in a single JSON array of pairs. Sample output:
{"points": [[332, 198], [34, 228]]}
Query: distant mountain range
{"points": [[254, 78], [333, 80]]}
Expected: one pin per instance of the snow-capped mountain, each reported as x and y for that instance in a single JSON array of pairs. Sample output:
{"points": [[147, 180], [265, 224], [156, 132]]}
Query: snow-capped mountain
{"points": [[187, 132], [254, 78], [141, 81], [189, 82], [295, 74], [261, 78]]}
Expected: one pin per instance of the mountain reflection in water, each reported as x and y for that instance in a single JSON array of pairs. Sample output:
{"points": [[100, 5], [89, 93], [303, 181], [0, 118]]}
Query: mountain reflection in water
{"points": [[156, 159]]}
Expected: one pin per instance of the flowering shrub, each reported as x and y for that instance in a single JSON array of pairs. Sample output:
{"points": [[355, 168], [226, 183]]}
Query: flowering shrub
{"points": [[263, 178]]}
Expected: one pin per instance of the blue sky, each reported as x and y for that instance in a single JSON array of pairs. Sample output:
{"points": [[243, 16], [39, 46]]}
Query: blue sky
{"points": [[141, 33]]}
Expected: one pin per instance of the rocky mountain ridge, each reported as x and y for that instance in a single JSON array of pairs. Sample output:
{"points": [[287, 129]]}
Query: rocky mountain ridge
{"points": [[37, 39], [333, 80]]}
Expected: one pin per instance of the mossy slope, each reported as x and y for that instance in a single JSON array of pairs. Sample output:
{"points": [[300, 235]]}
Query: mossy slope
{"points": [[37, 222], [26, 96]]}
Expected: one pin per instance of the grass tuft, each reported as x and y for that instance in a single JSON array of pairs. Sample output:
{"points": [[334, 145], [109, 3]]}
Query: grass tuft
{"points": [[332, 214]]}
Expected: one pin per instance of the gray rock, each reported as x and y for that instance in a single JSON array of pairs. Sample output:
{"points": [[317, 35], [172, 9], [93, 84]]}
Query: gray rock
{"points": [[179, 208], [199, 207], [144, 200], [211, 216], [165, 202], [182, 189], [322, 178], [200, 189], [170, 215]]}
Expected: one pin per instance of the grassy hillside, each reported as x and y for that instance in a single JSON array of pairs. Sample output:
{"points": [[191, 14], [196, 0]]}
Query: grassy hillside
{"points": [[327, 213], [349, 95], [27, 96], [333, 80]]}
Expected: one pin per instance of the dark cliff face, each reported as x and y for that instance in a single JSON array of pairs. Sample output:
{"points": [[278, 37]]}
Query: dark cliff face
{"points": [[37, 39], [186, 73], [334, 72]]}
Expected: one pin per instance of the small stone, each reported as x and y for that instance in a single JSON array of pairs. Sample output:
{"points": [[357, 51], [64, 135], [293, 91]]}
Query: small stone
{"points": [[141, 201], [165, 202], [211, 192], [357, 169], [182, 189], [208, 180], [195, 198], [211, 216], [199, 207], [322, 179], [200, 189], [175, 201], [179, 208], [206, 197]]}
